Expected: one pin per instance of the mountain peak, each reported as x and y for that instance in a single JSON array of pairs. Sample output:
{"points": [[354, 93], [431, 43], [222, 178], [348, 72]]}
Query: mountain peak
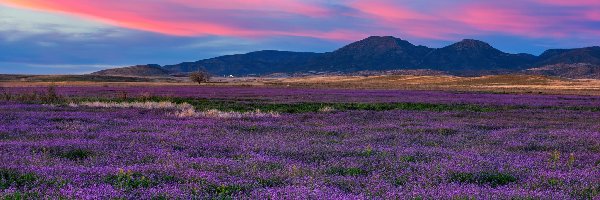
{"points": [[380, 38], [379, 43], [471, 44], [137, 71], [373, 53], [473, 55]]}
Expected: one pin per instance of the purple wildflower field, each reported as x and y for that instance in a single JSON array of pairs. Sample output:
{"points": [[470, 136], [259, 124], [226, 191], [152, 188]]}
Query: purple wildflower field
{"points": [[527, 146]]}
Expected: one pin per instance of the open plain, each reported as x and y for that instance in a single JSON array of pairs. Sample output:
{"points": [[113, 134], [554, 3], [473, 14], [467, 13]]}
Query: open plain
{"points": [[397, 137]]}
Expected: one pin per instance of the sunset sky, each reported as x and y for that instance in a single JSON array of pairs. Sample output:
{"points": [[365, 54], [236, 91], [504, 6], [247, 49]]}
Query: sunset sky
{"points": [[80, 36]]}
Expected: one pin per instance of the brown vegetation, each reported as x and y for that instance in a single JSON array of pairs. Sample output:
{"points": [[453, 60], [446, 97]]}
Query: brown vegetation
{"points": [[200, 77], [496, 84]]}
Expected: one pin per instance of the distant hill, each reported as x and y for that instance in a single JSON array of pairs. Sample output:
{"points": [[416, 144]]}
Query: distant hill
{"points": [[575, 71], [150, 70], [472, 55], [87, 78], [259, 62], [589, 55], [375, 53]]}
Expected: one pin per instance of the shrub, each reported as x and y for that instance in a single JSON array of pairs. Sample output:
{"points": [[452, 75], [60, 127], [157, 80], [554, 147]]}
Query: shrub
{"points": [[5, 95], [51, 95], [122, 95], [200, 77]]}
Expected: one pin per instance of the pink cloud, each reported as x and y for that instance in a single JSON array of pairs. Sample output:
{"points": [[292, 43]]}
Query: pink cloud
{"points": [[307, 18], [571, 2], [387, 10], [163, 18], [390, 15], [504, 20], [289, 6], [593, 15]]}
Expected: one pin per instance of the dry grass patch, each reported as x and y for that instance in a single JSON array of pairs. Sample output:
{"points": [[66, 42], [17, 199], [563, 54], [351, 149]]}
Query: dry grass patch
{"points": [[183, 110]]}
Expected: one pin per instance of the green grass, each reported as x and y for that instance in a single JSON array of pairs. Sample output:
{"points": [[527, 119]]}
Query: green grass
{"points": [[246, 105], [493, 179], [20, 196], [13, 178], [223, 192], [74, 154], [343, 171], [271, 182], [301, 107], [129, 180]]}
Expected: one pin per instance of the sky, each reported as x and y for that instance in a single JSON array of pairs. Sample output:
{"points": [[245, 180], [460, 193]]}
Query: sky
{"points": [[82, 36]]}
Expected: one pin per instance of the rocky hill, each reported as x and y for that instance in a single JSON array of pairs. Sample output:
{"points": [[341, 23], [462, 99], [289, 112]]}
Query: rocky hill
{"points": [[589, 55], [259, 62], [150, 70], [377, 53], [574, 71], [474, 55], [373, 53]]}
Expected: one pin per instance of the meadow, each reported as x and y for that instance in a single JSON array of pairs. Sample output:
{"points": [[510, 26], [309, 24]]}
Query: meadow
{"points": [[192, 142]]}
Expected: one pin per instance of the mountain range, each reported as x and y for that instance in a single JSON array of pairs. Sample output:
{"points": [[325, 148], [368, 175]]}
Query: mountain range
{"points": [[380, 53]]}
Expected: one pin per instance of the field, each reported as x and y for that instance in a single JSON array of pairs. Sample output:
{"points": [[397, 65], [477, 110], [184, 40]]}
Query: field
{"points": [[493, 84], [285, 139]]}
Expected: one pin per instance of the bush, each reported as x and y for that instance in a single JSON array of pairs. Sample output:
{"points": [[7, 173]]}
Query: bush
{"points": [[200, 77], [51, 95]]}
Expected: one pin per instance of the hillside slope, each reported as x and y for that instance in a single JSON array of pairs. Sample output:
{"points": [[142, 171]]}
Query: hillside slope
{"points": [[138, 70], [574, 71], [377, 53]]}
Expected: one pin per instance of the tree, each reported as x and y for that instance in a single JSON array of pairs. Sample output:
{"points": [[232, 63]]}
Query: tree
{"points": [[200, 77]]}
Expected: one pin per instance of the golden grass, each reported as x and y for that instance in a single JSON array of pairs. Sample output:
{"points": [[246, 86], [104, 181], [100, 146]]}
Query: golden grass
{"points": [[499, 83], [183, 110]]}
